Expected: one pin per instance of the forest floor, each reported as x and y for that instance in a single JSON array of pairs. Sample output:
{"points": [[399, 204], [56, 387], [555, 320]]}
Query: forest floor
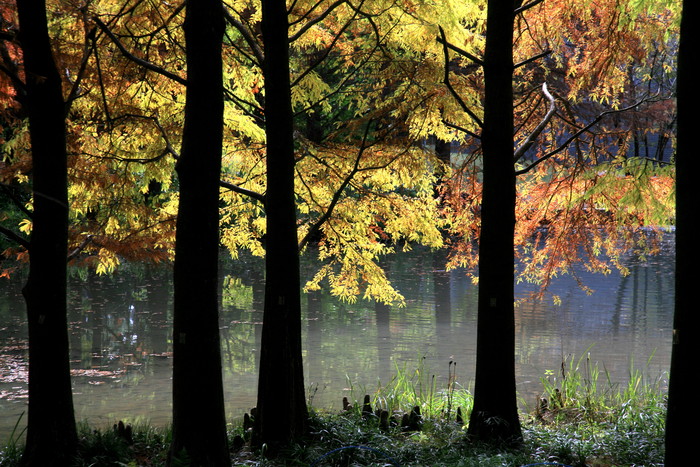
{"points": [[581, 419], [351, 439]]}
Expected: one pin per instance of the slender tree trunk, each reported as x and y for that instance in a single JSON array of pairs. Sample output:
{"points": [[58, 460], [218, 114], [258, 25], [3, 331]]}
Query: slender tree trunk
{"points": [[199, 422], [683, 409], [281, 408], [495, 413], [51, 432]]}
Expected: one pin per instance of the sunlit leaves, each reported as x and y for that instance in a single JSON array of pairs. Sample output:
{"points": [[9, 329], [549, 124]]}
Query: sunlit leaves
{"points": [[370, 65], [122, 125], [595, 44], [594, 217], [388, 202]]}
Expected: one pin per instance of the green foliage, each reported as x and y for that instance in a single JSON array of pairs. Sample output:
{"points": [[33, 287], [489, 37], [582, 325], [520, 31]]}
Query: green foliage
{"points": [[438, 400], [587, 416], [582, 392]]}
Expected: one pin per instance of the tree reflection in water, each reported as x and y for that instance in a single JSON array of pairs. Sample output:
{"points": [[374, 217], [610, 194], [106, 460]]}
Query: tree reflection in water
{"points": [[120, 334]]}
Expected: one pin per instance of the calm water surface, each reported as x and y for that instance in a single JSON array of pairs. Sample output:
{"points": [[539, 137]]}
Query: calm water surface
{"points": [[120, 332]]}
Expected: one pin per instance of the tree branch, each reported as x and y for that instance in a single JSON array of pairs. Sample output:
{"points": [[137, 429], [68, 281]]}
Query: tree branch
{"points": [[578, 133], [10, 235], [144, 63], [316, 20], [446, 80], [247, 36], [441, 39], [86, 241], [460, 128], [349, 74], [532, 59], [243, 191], [325, 52], [9, 191], [313, 230], [88, 47], [530, 140], [527, 6]]}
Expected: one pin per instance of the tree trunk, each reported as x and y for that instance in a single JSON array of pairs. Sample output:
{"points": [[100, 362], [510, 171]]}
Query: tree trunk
{"points": [[495, 413], [51, 431], [281, 408], [199, 421], [682, 407]]}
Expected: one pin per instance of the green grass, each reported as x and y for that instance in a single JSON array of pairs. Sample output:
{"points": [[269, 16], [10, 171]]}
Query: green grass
{"points": [[13, 449], [408, 389], [588, 420]]}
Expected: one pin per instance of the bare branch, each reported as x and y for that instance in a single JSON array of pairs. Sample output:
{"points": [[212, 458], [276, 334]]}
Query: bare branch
{"points": [[532, 137], [580, 131], [532, 59], [527, 6], [461, 129], [243, 191], [245, 106], [10, 235]]}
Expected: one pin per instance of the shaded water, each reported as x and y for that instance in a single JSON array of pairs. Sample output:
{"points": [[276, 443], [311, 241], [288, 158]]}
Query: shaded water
{"points": [[120, 333]]}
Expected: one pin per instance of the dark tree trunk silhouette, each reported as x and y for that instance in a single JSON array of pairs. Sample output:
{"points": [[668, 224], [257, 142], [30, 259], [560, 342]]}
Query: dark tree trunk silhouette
{"points": [[199, 429], [683, 409], [495, 414], [281, 414], [51, 431]]}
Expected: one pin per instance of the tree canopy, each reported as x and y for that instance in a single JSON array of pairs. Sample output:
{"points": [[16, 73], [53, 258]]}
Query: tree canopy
{"points": [[372, 83]]}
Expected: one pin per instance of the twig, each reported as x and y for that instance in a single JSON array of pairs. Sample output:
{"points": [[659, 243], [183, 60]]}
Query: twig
{"points": [[144, 63], [578, 133], [530, 140], [446, 80]]}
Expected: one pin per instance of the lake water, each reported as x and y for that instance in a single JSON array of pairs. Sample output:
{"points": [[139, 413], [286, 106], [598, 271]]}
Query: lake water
{"points": [[120, 333]]}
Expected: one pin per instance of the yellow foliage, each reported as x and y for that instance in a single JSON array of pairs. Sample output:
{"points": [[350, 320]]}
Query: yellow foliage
{"points": [[378, 67]]}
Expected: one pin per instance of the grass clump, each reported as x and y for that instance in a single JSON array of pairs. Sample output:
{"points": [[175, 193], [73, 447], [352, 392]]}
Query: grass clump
{"points": [[121, 445], [12, 452], [410, 389], [585, 418]]}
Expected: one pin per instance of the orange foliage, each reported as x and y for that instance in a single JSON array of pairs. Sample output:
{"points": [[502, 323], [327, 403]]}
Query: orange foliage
{"points": [[120, 167], [586, 201]]}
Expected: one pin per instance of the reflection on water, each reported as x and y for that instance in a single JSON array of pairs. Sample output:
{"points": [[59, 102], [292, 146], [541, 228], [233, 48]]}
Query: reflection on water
{"points": [[120, 334]]}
